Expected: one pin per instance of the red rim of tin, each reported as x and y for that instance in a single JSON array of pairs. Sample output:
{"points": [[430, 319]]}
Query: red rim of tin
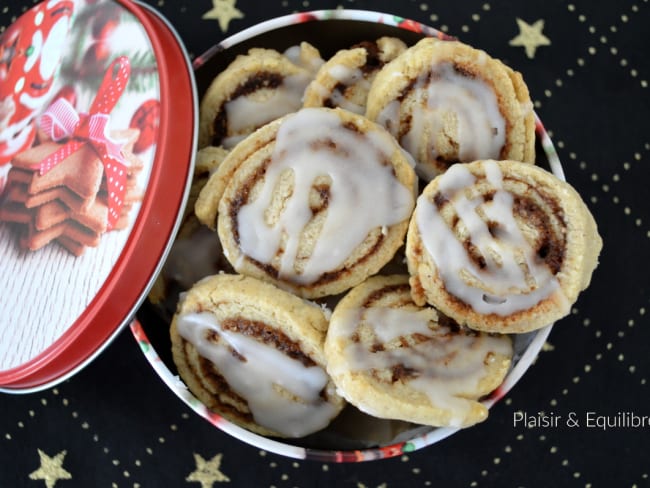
{"points": [[154, 229]]}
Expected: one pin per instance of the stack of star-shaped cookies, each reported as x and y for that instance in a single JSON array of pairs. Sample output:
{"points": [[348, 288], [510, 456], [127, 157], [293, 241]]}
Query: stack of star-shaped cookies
{"points": [[69, 203]]}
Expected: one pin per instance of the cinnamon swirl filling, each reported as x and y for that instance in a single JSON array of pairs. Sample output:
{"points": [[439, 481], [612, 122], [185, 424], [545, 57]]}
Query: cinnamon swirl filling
{"points": [[256, 88], [448, 103], [253, 353], [326, 205], [394, 359], [495, 245]]}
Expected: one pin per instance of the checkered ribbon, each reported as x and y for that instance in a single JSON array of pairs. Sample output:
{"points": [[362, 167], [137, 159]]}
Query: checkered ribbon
{"points": [[61, 121]]}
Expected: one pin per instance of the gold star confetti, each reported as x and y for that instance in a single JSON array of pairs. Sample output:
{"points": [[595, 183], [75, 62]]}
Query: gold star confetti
{"points": [[207, 472], [530, 37], [548, 347], [51, 469], [224, 11]]}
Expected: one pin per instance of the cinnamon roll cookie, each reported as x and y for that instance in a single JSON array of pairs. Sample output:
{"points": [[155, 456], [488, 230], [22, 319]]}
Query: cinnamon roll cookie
{"points": [[254, 354], [447, 102], [254, 89], [305, 56], [501, 246], [344, 80], [393, 359], [208, 160], [317, 201]]}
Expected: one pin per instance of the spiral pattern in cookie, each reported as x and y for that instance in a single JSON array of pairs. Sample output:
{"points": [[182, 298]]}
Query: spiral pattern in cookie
{"points": [[345, 79], [447, 102], [253, 90], [393, 359], [501, 246], [254, 354], [317, 201]]}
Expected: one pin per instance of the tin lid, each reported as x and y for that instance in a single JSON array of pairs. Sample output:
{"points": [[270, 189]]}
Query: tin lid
{"points": [[93, 177]]}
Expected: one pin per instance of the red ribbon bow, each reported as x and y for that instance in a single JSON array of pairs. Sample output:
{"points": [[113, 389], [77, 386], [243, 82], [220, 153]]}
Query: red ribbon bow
{"points": [[61, 121]]}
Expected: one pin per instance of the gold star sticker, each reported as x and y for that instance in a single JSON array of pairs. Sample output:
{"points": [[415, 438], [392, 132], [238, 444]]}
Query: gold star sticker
{"points": [[548, 347], [51, 469], [530, 37], [224, 11], [207, 472]]}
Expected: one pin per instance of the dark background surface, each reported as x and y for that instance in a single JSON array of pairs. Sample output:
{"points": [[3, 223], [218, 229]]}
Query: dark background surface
{"points": [[116, 424]]}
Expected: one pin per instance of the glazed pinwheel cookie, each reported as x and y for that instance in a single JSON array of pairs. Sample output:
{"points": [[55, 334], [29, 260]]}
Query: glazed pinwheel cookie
{"points": [[447, 102], [317, 201], [344, 80], [254, 354], [208, 159], [254, 89], [501, 246], [305, 56], [393, 359], [194, 253]]}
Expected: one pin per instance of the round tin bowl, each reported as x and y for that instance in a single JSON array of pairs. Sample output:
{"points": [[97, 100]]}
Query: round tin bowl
{"points": [[71, 305], [152, 332]]}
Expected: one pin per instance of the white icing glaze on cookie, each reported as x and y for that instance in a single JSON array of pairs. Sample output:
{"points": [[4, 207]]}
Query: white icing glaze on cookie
{"points": [[481, 128], [347, 76], [256, 378], [251, 111], [448, 366], [364, 194], [295, 54], [514, 278]]}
